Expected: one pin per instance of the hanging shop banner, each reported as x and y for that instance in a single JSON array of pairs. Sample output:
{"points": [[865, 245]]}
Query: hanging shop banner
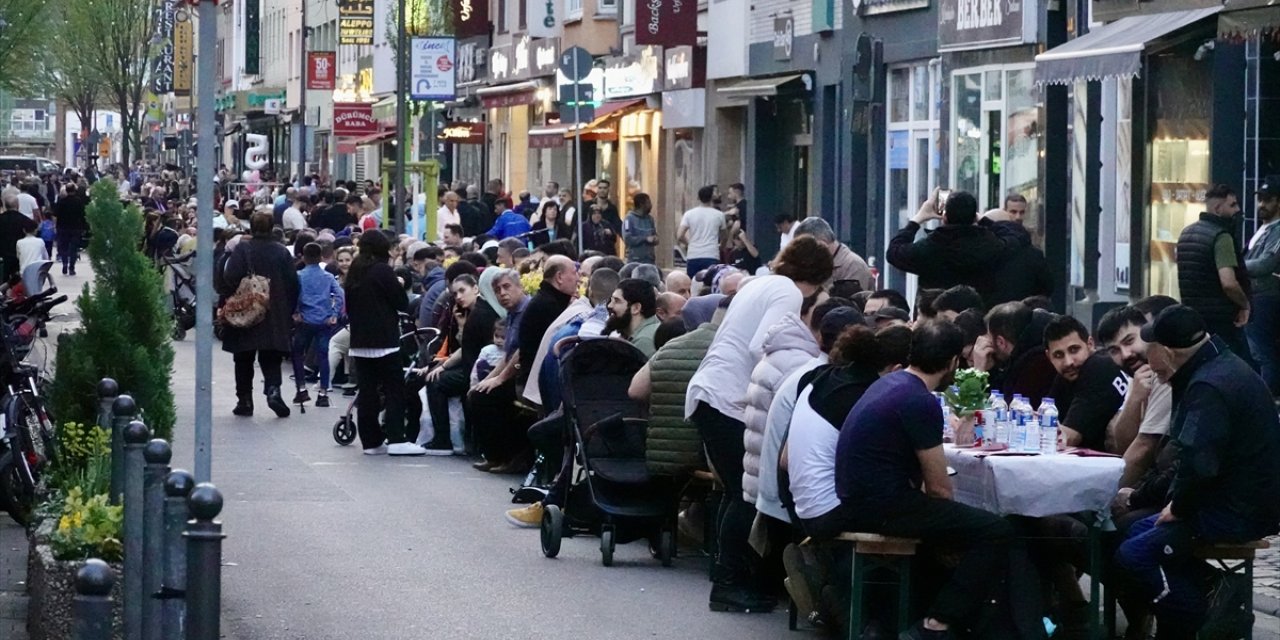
{"points": [[162, 64], [183, 50], [981, 24], [353, 119], [544, 18], [322, 67], [500, 64], [685, 68], [431, 69], [473, 58], [784, 37], [668, 23], [252, 39], [462, 133], [355, 22], [470, 18], [635, 74], [544, 55]]}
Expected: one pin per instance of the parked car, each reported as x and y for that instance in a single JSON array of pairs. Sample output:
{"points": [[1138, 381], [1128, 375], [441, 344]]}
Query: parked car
{"points": [[31, 164]]}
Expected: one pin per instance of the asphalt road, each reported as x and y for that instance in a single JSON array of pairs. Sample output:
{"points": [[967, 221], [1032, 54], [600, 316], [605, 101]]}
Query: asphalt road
{"points": [[326, 543]]}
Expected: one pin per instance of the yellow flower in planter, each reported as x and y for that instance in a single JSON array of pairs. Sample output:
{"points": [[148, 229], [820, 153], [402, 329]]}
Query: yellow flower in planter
{"points": [[531, 281]]}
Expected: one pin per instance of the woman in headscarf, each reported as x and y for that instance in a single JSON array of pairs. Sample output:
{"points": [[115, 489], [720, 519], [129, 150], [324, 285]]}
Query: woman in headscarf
{"points": [[486, 291]]}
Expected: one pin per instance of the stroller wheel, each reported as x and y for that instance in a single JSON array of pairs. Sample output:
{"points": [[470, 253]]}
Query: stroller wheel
{"points": [[552, 530], [344, 431], [606, 547], [179, 333], [666, 547]]}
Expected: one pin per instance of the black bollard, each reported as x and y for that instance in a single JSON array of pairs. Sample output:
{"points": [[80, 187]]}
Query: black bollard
{"points": [[177, 486], [122, 412], [204, 563], [107, 392], [135, 440], [91, 610], [157, 454]]}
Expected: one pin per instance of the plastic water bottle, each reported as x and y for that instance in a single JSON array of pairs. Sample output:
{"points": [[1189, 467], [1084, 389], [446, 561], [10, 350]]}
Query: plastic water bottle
{"points": [[1048, 427], [1018, 439], [997, 418], [947, 434]]}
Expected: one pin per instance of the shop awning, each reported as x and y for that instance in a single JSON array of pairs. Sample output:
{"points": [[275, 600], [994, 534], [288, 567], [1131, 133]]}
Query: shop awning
{"points": [[548, 136], [1114, 50], [509, 95], [755, 87], [1241, 19], [373, 138]]}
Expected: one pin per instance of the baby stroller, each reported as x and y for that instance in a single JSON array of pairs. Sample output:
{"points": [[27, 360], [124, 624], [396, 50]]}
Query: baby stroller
{"points": [[611, 493], [180, 279], [417, 346]]}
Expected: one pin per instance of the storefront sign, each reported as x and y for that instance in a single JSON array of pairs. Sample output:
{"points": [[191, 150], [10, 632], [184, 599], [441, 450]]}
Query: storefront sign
{"points": [[512, 99], [462, 133], [472, 58], [520, 58], [543, 57], [667, 23], [353, 119], [633, 75], [544, 18], [979, 24], [322, 67], [252, 39], [548, 140], [183, 49], [686, 68], [431, 67], [500, 64], [470, 18], [784, 36], [355, 22], [162, 64], [877, 7]]}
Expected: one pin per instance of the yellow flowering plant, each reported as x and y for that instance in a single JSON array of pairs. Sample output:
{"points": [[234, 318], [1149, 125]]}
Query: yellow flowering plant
{"points": [[88, 527], [84, 458], [531, 281]]}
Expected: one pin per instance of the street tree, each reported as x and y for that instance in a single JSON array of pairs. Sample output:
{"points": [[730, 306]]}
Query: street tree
{"points": [[64, 72], [21, 38], [121, 43]]}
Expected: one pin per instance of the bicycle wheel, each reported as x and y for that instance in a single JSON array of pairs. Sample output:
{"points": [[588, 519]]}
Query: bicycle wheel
{"points": [[17, 492]]}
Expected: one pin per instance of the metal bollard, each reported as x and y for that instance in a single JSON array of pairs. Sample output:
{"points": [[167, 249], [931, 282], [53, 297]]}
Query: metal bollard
{"points": [[157, 454], [135, 440], [177, 486], [107, 392], [204, 563], [123, 409], [91, 610]]}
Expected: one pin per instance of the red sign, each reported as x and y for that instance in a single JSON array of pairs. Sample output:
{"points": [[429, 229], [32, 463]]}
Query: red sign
{"points": [[322, 70], [668, 23], [463, 133], [353, 119]]}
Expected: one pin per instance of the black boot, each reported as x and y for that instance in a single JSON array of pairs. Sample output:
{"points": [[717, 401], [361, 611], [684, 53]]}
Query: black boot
{"points": [[739, 599], [276, 403], [244, 406]]}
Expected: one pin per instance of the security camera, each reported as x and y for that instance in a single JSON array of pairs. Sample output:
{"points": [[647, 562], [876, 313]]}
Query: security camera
{"points": [[1204, 50]]}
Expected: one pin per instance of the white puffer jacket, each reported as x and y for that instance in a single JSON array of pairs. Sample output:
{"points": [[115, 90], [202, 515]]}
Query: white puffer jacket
{"points": [[788, 345]]}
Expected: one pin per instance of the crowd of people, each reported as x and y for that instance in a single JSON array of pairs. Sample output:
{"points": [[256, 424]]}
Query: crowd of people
{"points": [[804, 386]]}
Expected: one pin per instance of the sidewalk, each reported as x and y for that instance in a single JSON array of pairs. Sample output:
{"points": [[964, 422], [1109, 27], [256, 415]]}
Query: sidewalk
{"points": [[1266, 579], [13, 580]]}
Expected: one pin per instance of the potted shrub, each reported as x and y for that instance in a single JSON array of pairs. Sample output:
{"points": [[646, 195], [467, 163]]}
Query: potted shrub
{"points": [[966, 399]]}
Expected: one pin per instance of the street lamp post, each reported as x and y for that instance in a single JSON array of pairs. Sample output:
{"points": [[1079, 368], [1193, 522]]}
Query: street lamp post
{"points": [[393, 202], [208, 19]]}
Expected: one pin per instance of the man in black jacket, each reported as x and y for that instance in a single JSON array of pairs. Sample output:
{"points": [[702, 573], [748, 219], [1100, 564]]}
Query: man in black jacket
{"points": [[1211, 273], [69, 215], [12, 229], [1013, 350], [963, 250], [1227, 439]]}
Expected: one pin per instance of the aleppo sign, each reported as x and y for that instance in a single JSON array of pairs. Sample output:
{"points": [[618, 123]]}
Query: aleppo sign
{"points": [[355, 22]]}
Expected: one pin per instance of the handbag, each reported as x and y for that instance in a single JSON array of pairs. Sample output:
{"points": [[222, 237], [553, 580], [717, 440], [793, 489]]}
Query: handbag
{"points": [[248, 305]]}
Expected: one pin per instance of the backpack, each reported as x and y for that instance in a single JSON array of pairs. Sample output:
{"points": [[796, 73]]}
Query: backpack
{"points": [[47, 231], [248, 305]]}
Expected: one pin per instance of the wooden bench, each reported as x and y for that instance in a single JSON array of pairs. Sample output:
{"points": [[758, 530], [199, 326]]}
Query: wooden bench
{"points": [[874, 551], [1234, 558]]}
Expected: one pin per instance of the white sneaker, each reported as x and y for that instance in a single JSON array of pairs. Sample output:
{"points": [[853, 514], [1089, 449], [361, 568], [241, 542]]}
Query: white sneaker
{"points": [[379, 450], [405, 449]]}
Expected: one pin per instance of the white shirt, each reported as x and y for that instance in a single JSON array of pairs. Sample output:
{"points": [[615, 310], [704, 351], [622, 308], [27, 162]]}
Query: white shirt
{"points": [[27, 205], [785, 239], [30, 249], [704, 224], [1158, 413], [293, 219], [811, 460], [725, 373], [445, 217]]}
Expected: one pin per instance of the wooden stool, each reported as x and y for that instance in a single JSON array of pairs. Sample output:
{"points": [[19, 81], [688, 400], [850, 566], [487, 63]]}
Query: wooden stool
{"points": [[871, 551], [1234, 558]]}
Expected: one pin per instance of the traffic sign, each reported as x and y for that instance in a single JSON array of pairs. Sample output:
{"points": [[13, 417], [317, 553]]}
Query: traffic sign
{"points": [[575, 63], [581, 114], [579, 92]]}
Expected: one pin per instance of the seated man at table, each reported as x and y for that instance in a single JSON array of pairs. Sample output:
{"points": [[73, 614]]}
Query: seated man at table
{"points": [[1013, 351], [1089, 388], [1225, 486], [891, 477]]}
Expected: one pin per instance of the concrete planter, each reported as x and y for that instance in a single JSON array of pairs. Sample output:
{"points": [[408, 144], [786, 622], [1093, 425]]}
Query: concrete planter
{"points": [[51, 588]]}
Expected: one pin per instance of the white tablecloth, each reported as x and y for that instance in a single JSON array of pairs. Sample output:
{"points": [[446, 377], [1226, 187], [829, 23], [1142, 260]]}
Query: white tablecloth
{"points": [[1035, 486]]}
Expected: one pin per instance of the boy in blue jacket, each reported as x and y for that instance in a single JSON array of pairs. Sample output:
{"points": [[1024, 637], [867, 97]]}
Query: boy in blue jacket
{"points": [[320, 302]]}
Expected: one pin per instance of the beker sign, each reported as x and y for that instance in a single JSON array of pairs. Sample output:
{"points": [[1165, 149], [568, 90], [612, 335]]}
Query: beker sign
{"points": [[667, 23], [979, 24]]}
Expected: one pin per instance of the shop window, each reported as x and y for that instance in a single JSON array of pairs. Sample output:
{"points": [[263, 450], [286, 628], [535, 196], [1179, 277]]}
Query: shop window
{"points": [[996, 136], [607, 8], [573, 9], [912, 161]]}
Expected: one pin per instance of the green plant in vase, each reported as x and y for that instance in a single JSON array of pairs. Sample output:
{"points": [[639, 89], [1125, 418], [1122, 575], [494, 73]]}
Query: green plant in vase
{"points": [[966, 398]]}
